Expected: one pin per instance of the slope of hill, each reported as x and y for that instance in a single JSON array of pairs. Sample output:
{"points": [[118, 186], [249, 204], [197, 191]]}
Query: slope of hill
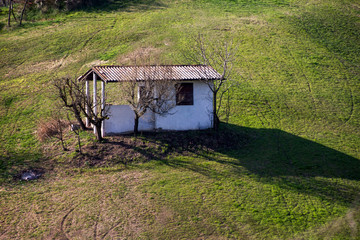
{"points": [[298, 97]]}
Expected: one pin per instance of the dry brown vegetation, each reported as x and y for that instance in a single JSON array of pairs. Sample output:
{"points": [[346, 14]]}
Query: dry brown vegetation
{"points": [[50, 128], [128, 59]]}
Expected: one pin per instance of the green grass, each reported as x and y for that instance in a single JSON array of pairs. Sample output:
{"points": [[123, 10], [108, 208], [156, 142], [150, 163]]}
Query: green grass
{"points": [[298, 98]]}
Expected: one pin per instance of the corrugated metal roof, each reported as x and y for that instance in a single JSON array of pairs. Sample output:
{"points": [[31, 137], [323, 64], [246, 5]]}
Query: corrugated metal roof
{"points": [[162, 72]]}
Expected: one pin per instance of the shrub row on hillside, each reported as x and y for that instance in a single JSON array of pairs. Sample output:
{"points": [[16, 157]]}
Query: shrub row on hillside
{"points": [[45, 5]]}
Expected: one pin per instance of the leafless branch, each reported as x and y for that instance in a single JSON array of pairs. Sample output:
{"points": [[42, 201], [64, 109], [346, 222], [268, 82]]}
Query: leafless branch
{"points": [[149, 90], [73, 96], [219, 55]]}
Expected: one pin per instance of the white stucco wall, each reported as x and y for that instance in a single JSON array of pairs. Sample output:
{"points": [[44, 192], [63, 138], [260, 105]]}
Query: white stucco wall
{"points": [[190, 117], [121, 120], [184, 117]]}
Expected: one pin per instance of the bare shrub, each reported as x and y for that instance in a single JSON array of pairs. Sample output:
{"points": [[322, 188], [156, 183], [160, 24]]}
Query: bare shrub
{"points": [[51, 128]]}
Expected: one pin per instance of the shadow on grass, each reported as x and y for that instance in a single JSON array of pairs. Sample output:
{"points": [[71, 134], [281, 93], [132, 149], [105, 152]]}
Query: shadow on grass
{"points": [[13, 164], [125, 5], [101, 7], [270, 156]]}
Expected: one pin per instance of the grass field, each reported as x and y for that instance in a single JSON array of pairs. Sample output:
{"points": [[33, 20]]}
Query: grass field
{"points": [[297, 104]]}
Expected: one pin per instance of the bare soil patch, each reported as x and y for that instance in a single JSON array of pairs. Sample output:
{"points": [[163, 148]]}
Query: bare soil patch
{"points": [[127, 149]]}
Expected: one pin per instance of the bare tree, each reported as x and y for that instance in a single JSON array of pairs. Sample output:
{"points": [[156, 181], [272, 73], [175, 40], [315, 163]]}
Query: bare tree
{"points": [[23, 11], [219, 55], [138, 97], [11, 11], [164, 99], [96, 113], [69, 92], [10, 3], [74, 98], [149, 90]]}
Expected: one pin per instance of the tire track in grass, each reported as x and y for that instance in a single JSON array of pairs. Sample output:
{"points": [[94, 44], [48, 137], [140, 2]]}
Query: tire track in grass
{"points": [[112, 25], [345, 68], [302, 73], [15, 69], [117, 222], [96, 224], [101, 208], [63, 222], [300, 67], [351, 219], [277, 117], [92, 37], [352, 104], [112, 228], [265, 100], [352, 107], [132, 221]]}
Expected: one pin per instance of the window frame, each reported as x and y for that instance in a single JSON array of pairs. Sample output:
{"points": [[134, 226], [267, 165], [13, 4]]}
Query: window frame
{"points": [[184, 90]]}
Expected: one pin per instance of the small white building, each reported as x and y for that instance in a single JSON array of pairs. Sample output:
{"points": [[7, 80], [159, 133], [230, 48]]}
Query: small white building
{"points": [[193, 99]]}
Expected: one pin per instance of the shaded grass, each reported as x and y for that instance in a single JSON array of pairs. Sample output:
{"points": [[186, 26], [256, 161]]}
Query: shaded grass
{"points": [[252, 191]]}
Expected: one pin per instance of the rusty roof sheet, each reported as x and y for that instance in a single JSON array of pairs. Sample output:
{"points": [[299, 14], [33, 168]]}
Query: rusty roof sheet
{"points": [[162, 72]]}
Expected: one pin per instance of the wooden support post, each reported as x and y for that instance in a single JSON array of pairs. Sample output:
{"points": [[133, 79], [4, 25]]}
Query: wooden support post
{"points": [[94, 96], [103, 107], [87, 89]]}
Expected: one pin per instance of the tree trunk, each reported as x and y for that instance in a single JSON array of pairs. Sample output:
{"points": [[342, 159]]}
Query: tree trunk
{"points": [[78, 118], [136, 125], [61, 130], [12, 10], [98, 132], [23, 11], [79, 142], [63, 144], [9, 17]]}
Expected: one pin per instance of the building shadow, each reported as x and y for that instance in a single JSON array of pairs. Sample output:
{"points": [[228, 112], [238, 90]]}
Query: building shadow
{"points": [[270, 156]]}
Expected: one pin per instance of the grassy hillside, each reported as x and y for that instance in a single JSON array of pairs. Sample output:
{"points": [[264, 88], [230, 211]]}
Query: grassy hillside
{"points": [[298, 101]]}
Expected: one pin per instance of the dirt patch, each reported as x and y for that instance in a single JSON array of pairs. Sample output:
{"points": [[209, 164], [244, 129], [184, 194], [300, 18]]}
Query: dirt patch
{"points": [[40, 67], [127, 149], [95, 63], [252, 20], [143, 55]]}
